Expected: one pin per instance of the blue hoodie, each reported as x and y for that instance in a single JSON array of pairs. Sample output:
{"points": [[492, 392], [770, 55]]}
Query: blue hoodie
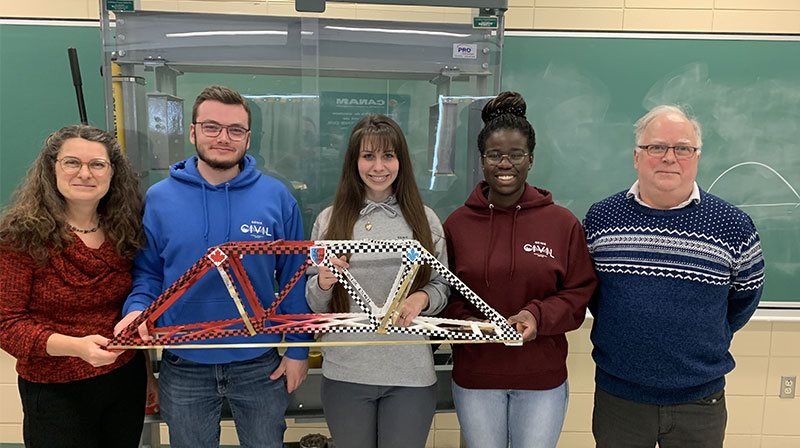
{"points": [[184, 216]]}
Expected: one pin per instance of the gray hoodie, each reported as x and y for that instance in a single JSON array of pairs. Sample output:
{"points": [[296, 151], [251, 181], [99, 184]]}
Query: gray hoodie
{"points": [[383, 365]]}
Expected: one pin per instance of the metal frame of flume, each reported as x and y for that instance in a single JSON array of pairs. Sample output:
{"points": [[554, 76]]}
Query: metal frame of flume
{"points": [[168, 61]]}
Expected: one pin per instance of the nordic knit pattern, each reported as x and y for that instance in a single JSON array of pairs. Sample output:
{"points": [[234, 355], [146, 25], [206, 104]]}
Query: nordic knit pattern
{"points": [[78, 292], [674, 287]]}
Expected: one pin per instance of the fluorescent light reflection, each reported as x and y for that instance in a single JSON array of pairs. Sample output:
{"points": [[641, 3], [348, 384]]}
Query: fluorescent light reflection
{"points": [[236, 33], [391, 31]]}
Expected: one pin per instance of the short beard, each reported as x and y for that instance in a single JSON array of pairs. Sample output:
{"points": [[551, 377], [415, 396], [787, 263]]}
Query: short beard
{"points": [[215, 164]]}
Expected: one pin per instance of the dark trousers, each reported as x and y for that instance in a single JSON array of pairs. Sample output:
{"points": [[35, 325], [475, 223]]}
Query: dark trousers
{"points": [[100, 412], [620, 423], [365, 416]]}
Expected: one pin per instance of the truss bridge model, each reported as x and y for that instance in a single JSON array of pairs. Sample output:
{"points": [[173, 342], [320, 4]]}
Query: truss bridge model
{"points": [[226, 260]]}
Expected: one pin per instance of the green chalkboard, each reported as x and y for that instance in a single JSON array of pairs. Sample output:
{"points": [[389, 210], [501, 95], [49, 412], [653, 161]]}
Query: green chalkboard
{"points": [[36, 91], [585, 93]]}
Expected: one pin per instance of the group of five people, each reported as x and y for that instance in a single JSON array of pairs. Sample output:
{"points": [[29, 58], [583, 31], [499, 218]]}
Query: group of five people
{"points": [[679, 271]]}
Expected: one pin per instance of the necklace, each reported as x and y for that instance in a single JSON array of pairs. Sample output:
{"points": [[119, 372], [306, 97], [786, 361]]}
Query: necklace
{"points": [[75, 229], [368, 226]]}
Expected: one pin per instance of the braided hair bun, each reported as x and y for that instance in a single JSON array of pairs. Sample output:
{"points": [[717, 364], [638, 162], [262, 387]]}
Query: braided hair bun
{"points": [[506, 112], [505, 103]]}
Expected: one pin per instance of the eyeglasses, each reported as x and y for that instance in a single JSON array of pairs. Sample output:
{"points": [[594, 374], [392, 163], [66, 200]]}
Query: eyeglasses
{"points": [[71, 165], [681, 151], [212, 129], [495, 157]]}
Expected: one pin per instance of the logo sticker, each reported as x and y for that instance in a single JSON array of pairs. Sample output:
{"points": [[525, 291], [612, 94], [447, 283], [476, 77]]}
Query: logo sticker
{"points": [[217, 256], [412, 254], [317, 254], [465, 51]]}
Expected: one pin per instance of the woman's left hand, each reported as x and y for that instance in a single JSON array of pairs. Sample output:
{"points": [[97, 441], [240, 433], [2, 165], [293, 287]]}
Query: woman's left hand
{"points": [[525, 324], [413, 305]]}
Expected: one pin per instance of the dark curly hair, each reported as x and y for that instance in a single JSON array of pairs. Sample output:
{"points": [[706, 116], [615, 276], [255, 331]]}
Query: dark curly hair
{"points": [[506, 111], [35, 220]]}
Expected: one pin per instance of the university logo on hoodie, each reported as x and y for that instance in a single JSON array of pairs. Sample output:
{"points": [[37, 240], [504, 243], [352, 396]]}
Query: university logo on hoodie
{"points": [[256, 229], [539, 248]]}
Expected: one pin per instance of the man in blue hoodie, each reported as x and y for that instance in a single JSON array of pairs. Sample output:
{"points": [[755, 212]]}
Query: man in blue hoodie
{"points": [[209, 199]]}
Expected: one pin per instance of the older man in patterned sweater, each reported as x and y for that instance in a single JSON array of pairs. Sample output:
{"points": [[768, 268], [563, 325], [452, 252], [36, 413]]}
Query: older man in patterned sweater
{"points": [[680, 271]]}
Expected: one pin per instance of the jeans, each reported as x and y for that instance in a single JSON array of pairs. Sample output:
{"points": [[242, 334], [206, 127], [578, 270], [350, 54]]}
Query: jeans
{"points": [[501, 418], [367, 416], [98, 412], [621, 423], [191, 401]]}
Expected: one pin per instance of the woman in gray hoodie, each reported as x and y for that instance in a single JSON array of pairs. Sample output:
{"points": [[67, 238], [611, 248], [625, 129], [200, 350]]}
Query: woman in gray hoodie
{"points": [[380, 396]]}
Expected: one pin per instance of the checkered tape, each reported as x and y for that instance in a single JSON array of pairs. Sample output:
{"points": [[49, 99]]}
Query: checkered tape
{"points": [[365, 247], [505, 333], [354, 289], [279, 247], [458, 334], [131, 331], [287, 288], [188, 333], [373, 246]]}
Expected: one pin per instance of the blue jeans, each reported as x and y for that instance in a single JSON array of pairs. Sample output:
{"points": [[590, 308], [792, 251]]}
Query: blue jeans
{"points": [[191, 401], [502, 418]]}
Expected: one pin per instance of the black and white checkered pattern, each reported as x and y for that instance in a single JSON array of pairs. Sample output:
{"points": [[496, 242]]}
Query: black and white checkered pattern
{"points": [[504, 330], [495, 330]]}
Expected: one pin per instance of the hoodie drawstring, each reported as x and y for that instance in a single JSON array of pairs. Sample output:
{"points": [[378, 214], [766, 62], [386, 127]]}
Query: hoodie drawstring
{"points": [[390, 211], [487, 254], [228, 204], [514, 239], [205, 213], [489, 249]]}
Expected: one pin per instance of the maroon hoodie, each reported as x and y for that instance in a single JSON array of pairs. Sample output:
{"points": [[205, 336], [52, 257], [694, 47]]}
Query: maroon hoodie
{"points": [[532, 256]]}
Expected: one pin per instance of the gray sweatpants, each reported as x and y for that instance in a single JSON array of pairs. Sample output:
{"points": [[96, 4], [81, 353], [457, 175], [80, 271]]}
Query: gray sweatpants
{"points": [[365, 416]]}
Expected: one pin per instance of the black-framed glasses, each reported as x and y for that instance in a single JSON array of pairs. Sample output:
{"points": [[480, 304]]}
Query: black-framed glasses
{"points": [[71, 165], [495, 157], [213, 129], [681, 151]]}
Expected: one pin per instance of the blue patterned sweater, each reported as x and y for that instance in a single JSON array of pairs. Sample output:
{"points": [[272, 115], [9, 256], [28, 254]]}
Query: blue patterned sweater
{"points": [[674, 287]]}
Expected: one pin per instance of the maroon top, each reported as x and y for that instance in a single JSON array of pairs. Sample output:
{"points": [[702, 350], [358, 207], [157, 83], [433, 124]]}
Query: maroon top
{"points": [[78, 292], [532, 256]]}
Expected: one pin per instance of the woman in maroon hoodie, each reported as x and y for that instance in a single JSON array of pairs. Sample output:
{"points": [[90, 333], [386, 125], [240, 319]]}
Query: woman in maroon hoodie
{"points": [[532, 266]]}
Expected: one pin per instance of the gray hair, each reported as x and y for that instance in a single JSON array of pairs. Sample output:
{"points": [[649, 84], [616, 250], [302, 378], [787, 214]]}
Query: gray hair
{"points": [[666, 109]]}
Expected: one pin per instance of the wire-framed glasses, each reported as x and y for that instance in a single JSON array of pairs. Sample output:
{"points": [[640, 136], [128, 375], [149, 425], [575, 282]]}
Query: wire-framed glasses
{"points": [[681, 151], [495, 157], [72, 165], [213, 129]]}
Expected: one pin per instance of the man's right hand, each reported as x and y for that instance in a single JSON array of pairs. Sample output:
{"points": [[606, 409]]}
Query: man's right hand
{"points": [[143, 331]]}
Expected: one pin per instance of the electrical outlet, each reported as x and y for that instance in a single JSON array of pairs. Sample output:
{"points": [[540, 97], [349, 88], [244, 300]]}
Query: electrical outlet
{"points": [[788, 384]]}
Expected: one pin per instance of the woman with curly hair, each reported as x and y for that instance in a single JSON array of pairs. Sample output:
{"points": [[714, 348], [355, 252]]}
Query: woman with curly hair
{"points": [[66, 244]]}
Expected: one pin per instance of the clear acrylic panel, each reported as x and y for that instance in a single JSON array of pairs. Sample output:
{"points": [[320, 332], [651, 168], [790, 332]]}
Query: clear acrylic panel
{"points": [[308, 80]]}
